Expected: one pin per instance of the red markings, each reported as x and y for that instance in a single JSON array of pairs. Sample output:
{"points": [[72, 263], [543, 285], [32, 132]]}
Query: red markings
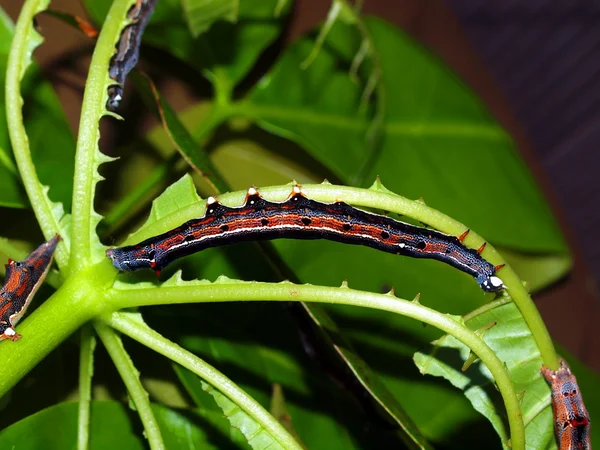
{"points": [[498, 267], [571, 418], [299, 217], [480, 249], [21, 283]]}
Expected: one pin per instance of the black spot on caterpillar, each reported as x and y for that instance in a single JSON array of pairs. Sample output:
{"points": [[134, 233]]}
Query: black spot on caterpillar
{"points": [[302, 218]]}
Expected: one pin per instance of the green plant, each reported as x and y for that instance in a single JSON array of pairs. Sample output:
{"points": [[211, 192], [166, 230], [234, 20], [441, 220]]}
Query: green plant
{"points": [[358, 101]]}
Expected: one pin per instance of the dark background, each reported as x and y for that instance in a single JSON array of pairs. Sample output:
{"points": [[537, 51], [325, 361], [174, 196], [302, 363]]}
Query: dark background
{"points": [[535, 63]]}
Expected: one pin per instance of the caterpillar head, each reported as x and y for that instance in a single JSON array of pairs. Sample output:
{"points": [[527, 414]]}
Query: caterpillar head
{"points": [[492, 284]]}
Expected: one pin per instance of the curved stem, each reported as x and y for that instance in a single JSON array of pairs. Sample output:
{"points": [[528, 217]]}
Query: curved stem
{"points": [[224, 291], [134, 327], [86, 371], [379, 197], [88, 156], [129, 374], [24, 41]]}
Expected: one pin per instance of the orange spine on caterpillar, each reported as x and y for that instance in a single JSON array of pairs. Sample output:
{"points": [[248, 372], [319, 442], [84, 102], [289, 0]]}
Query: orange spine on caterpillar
{"points": [[571, 418], [299, 217], [22, 280]]}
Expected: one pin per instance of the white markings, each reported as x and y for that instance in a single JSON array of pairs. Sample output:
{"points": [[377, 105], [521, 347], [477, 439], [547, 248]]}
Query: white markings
{"points": [[10, 332], [496, 282]]}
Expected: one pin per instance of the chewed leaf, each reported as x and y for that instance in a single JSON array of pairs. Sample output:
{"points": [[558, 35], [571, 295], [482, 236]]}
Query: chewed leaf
{"points": [[257, 437], [513, 342]]}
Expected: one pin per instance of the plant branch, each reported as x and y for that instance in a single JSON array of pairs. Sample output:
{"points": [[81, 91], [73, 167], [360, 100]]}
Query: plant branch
{"points": [[132, 325], [230, 290], [25, 40], [86, 372], [81, 297], [88, 156], [130, 377]]}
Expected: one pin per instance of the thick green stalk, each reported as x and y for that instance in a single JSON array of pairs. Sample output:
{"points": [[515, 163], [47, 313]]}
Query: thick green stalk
{"points": [[78, 300], [224, 291]]}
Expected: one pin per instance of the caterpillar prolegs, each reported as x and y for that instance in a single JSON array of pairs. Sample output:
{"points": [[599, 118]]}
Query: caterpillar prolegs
{"points": [[299, 217]]}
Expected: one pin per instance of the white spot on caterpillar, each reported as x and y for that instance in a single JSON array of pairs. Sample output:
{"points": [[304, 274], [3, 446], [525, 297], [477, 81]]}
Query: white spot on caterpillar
{"points": [[296, 189], [252, 191], [10, 332], [496, 282], [211, 200]]}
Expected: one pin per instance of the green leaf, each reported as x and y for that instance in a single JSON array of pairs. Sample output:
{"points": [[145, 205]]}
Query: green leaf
{"points": [[438, 140], [56, 428], [226, 52], [512, 341]]}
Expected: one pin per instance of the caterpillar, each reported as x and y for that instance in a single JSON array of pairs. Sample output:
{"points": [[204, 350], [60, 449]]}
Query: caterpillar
{"points": [[571, 419], [128, 50], [22, 281], [299, 217]]}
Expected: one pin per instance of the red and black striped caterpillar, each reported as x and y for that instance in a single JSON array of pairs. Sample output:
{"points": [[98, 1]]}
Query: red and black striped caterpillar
{"points": [[302, 218], [128, 50], [571, 419], [21, 283]]}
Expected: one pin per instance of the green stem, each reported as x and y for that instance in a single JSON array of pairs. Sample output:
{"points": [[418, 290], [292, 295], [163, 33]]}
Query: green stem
{"points": [[24, 41], [129, 374], [79, 299], [133, 326], [87, 156], [86, 371], [378, 197], [226, 291]]}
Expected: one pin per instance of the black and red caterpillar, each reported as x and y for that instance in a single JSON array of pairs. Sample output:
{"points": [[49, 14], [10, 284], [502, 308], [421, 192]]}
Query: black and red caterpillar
{"points": [[22, 280], [128, 50], [299, 217]]}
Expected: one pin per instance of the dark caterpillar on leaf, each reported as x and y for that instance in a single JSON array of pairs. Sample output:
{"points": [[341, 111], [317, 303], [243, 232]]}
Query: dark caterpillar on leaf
{"points": [[299, 217]]}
